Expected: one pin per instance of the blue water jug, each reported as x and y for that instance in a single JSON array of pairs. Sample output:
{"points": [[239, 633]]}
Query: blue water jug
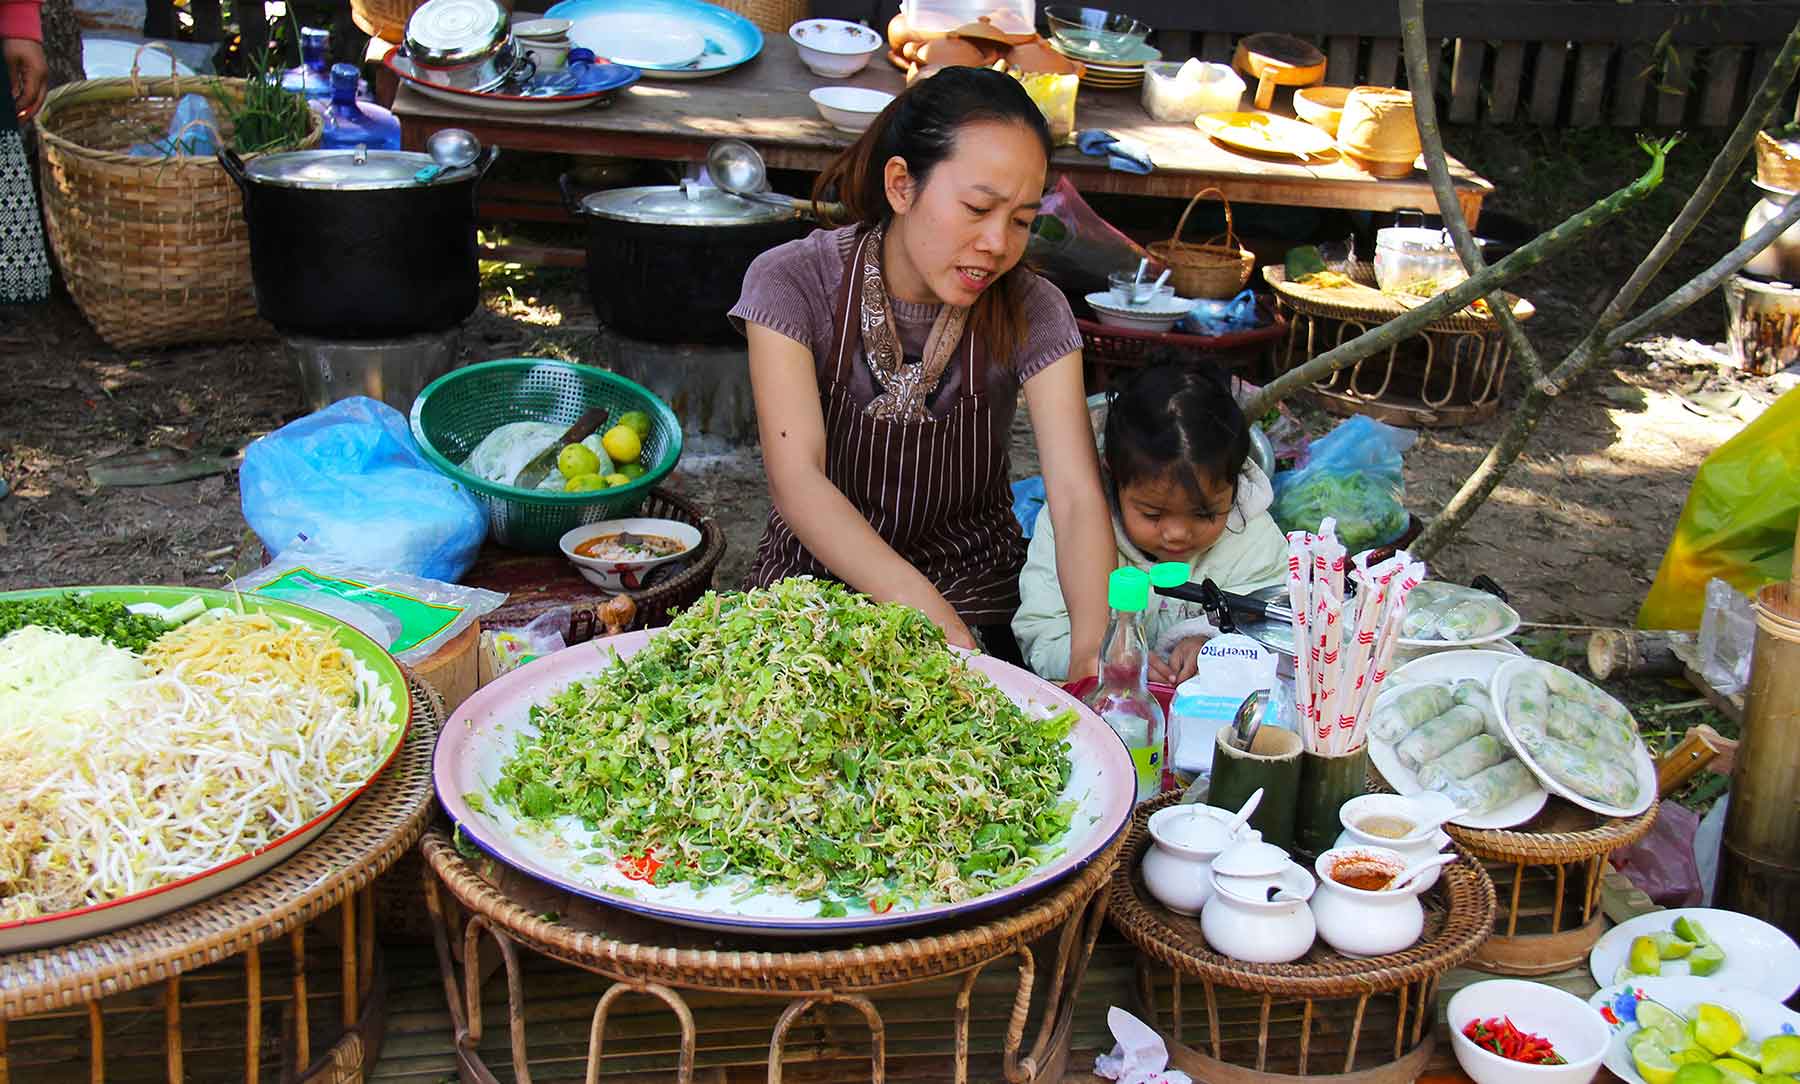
{"points": [[351, 122]]}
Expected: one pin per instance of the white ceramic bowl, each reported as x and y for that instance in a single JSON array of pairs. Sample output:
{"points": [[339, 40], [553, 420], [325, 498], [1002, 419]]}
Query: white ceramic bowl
{"points": [[626, 575], [542, 29], [1575, 1029], [849, 109], [834, 48], [549, 56]]}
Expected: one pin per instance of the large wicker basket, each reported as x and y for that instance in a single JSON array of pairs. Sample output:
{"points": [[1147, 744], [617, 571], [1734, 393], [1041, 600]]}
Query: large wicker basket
{"points": [[774, 16], [155, 251], [1216, 269]]}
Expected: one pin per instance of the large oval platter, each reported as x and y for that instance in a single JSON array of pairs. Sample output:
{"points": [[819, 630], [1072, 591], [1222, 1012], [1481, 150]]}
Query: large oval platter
{"points": [[487, 727], [383, 674], [1642, 766], [729, 39]]}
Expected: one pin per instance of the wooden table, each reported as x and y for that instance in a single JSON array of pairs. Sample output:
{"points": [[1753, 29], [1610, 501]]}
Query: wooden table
{"points": [[765, 103]]}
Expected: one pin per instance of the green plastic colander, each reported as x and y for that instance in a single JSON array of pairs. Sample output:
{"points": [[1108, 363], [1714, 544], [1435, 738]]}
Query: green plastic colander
{"points": [[455, 411]]}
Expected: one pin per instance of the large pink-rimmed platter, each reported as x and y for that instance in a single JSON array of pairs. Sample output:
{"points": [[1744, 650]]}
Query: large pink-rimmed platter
{"points": [[486, 728]]}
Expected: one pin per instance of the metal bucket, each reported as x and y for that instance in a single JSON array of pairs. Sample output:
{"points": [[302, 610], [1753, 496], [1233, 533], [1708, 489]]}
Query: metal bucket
{"points": [[1762, 324], [394, 371]]}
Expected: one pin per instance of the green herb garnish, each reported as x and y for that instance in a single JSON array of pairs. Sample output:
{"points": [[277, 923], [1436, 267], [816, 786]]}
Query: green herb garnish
{"points": [[78, 616]]}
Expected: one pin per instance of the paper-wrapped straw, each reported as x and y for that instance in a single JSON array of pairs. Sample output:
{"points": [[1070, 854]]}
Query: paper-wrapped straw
{"points": [[1369, 598], [1300, 598], [1402, 586], [1331, 615]]}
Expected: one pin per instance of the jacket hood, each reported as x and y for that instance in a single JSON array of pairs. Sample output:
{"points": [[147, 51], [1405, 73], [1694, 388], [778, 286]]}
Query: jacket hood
{"points": [[1255, 493]]}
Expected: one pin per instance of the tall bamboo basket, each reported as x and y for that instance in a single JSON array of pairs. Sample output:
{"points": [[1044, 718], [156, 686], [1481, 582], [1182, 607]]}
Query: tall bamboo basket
{"points": [[155, 251], [773, 16], [1216, 269]]}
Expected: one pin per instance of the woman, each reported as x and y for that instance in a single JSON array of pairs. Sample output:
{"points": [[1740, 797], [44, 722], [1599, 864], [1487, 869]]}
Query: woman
{"points": [[886, 360], [24, 77]]}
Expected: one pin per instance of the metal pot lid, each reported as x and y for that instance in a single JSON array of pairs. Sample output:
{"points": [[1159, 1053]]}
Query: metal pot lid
{"points": [[344, 170], [686, 204], [445, 32]]}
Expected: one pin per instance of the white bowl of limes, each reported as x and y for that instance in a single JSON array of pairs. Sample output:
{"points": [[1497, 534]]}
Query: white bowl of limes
{"points": [[1684, 1030]]}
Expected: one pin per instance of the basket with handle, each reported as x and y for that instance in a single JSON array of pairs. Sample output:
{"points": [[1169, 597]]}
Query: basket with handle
{"points": [[1215, 269], [457, 410], [155, 250]]}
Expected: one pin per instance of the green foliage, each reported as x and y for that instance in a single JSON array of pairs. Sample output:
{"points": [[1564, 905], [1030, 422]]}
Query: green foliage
{"points": [[109, 621]]}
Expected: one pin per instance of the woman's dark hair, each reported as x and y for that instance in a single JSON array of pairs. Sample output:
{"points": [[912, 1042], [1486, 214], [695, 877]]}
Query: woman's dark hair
{"points": [[920, 127], [1176, 420]]}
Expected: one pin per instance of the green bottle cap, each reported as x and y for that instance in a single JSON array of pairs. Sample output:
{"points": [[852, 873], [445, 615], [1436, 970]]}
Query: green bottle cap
{"points": [[1168, 574], [1128, 589]]}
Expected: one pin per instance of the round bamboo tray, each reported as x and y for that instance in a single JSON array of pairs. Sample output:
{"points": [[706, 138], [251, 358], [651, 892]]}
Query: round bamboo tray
{"points": [[214, 972], [1370, 1019], [468, 900]]}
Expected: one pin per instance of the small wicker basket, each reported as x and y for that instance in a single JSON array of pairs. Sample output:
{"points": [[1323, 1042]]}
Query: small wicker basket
{"points": [[1212, 270], [774, 16]]}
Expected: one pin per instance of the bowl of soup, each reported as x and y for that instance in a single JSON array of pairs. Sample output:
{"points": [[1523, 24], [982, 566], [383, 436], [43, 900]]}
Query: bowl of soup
{"points": [[621, 554]]}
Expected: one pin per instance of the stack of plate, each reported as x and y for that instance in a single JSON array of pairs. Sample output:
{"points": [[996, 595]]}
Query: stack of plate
{"points": [[1117, 71]]}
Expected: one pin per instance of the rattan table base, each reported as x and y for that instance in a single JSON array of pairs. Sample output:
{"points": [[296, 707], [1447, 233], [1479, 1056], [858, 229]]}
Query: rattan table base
{"points": [[234, 971], [1368, 1021], [483, 913]]}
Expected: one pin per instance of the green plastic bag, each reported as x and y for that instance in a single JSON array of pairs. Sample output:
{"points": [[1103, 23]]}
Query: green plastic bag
{"points": [[1738, 523]]}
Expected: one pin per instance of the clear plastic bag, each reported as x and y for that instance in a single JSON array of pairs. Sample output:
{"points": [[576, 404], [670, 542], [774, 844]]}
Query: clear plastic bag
{"points": [[1727, 638], [1353, 474], [350, 483], [1075, 248]]}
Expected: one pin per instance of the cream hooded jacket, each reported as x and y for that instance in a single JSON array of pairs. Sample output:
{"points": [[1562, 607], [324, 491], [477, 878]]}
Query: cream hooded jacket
{"points": [[1251, 554]]}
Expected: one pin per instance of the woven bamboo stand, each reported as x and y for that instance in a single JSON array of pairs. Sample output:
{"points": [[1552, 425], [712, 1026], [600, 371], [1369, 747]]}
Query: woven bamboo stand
{"points": [[1547, 873], [235, 976], [1448, 374], [1325, 1016], [487, 906]]}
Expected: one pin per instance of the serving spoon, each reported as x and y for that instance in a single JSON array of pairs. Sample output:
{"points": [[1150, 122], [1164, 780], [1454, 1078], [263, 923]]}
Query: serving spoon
{"points": [[1250, 804], [1413, 872]]}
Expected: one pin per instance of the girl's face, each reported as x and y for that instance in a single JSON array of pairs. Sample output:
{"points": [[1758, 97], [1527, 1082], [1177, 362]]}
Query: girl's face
{"points": [[1162, 519], [967, 224]]}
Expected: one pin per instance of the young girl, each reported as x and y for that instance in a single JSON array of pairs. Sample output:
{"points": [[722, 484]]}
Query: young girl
{"points": [[1183, 488]]}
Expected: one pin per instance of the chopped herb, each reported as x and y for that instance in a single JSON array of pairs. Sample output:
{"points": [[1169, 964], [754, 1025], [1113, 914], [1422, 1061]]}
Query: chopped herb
{"points": [[78, 616]]}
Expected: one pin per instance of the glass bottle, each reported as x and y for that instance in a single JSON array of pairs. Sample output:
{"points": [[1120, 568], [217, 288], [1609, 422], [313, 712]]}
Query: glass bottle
{"points": [[1123, 696], [309, 77], [351, 122]]}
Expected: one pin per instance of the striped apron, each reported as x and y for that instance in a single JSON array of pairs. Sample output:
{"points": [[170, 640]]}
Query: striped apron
{"points": [[937, 490]]}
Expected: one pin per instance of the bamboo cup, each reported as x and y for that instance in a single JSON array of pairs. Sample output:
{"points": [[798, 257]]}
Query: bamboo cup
{"points": [[1273, 764]]}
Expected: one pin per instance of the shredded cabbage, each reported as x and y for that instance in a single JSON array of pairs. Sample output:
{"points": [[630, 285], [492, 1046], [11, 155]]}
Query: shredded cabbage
{"points": [[50, 680]]}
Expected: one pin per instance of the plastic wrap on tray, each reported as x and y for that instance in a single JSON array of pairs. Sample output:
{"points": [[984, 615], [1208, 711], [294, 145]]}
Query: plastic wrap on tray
{"points": [[1408, 710], [1477, 754], [1492, 788], [1452, 613]]}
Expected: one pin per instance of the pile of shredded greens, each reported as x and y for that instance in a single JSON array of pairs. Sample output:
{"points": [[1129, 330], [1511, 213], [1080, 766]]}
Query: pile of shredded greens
{"points": [[807, 739], [105, 620]]}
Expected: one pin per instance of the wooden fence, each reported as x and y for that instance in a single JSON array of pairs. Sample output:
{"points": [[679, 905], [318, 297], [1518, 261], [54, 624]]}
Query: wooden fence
{"points": [[1663, 63]]}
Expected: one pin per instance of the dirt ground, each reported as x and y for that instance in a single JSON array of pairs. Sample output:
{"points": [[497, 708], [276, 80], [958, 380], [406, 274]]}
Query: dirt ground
{"points": [[1575, 535]]}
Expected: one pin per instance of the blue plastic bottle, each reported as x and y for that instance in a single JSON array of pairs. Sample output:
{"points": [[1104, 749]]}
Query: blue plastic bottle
{"points": [[309, 77], [351, 122]]}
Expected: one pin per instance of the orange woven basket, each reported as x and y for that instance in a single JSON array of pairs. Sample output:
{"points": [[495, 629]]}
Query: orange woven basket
{"points": [[1219, 268]]}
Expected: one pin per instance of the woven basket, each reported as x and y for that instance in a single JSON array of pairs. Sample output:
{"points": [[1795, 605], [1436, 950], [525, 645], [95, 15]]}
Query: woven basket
{"points": [[1211, 270], [155, 251], [774, 16]]}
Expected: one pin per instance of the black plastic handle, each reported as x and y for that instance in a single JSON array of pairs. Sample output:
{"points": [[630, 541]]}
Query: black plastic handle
{"points": [[234, 168]]}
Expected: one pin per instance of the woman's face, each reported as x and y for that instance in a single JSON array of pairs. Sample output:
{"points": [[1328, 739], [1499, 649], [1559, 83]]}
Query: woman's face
{"points": [[967, 225], [1162, 519]]}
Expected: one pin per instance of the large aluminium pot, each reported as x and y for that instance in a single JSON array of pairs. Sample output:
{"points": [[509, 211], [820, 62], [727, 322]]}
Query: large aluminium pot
{"points": [[351, 244], [666, 262]]}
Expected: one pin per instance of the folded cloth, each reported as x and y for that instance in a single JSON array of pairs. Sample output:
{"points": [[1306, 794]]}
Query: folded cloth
{"points": [[1124, 155]]}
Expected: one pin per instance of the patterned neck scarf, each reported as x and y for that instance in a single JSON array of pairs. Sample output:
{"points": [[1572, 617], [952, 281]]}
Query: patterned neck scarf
{"points": [[904, 385]]}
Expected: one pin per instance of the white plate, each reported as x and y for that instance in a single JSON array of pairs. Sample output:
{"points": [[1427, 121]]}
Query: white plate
{"points": [[1762, 1015], [1157, 307], [1502, 633], [1641, 762], [1757, 955], [485, 730], [642, 41], [1446, 667]]}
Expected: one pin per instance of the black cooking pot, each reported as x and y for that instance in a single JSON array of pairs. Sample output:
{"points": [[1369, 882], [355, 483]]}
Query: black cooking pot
{"points": [[355, 244], [666, 262]]}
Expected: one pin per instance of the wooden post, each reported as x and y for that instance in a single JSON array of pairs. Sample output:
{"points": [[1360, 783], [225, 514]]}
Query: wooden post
{"points": [[1631, 653]]}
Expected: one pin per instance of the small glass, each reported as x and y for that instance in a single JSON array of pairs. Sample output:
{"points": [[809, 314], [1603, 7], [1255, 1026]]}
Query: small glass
{"points": [[1127, 289]]}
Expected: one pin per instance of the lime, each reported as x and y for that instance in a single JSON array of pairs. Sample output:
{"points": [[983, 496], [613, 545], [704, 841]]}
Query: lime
{"points": [[613, 481], [1705, 959], [1777, 1078], [1653, 1063], [1692, 1055], [1735, 1068], [638, 422], [1717, 1028], [1749, 1051], [1779, 1055], [584, 483], [622, 443], [1657, 1019], [1698, 1073], [576, 460], [1670, 947], [1689, 929], [1644, 958], [633, 471]]}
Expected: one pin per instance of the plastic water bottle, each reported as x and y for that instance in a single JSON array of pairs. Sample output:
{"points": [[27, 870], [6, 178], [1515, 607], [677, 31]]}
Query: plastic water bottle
{"points": [[1123, 696], [309, 78], [350, 122]]}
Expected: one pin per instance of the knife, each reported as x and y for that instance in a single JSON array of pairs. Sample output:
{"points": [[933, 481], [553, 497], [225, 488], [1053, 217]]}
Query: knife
{"points": [[540, 466]]}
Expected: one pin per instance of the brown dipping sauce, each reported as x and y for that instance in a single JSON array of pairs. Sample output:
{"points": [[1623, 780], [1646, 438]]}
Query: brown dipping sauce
{"points": [[1386, 827], [626, 546], [1363, 874]]}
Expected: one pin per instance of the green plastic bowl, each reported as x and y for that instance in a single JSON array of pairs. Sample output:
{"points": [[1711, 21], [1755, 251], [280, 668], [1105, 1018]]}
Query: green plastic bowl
{"points": [[455, 411]]}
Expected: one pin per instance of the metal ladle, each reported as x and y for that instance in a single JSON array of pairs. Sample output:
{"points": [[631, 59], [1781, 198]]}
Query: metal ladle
{"points": [[450, 148], [736, 168]]}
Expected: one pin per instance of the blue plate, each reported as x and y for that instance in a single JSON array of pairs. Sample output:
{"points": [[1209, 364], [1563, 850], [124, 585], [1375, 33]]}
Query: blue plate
{"points": [[731, 39]]}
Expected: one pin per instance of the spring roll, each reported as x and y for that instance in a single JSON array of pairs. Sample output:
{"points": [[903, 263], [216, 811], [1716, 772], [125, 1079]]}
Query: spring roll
{"points": [[1528, 702], [1472, 619], [1408, 710], [1482, 751], [1440, 735], [1603, 777], [1493, 787]]}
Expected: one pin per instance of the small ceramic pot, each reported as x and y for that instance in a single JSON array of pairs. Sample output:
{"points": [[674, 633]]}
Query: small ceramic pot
{"points": [[1184, 841], [1251, 927], [1412, 848], [1359, 922]]}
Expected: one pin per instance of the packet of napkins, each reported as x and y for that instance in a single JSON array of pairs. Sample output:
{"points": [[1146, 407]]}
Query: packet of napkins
{"points": [[1139, 1055]]}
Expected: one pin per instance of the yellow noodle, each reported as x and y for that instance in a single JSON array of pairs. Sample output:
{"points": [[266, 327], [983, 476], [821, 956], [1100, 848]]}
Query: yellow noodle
{"points": [[256, 648]]}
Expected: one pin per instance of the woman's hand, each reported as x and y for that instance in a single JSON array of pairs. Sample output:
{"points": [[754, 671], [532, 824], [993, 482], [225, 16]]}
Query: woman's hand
{"points": [[30, 74]]}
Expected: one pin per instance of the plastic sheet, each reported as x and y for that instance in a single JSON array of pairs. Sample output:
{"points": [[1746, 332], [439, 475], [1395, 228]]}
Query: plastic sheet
{"points": [[1662, 864], [1076, 248]]}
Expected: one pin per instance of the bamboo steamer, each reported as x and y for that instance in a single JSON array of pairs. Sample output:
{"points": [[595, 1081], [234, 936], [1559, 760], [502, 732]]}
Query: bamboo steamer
{"points": [[1378, 132]]}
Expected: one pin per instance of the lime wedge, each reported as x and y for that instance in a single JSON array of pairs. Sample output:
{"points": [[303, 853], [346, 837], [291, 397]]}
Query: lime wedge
{"points": [[1670, 947], [1705, 959], [1657, 1016], [1736, 1068], [1698, 1073], [1644, 959], [1779, 1055], [1653, 1063], [1777, 1078], [1717, 1028], [1689, 929], [1750, 1052]]}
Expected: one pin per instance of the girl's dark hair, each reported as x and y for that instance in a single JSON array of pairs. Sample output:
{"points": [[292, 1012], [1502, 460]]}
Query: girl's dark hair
{"points": [[1180, 421], [920, 127]]}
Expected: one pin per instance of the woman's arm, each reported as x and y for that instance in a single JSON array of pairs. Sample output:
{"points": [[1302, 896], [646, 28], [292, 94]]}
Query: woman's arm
{"points": [[792, 430], [1085, 553], [19, 37]]}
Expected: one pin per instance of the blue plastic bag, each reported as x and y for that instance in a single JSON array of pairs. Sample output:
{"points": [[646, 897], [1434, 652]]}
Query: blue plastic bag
{"points": [[1354, 474], [350, 481], [191, 132], [1215, 318], [1028, 501]]}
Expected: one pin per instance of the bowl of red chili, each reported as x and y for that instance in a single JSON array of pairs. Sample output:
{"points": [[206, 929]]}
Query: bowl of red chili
{"points": [[1508, 1031]]}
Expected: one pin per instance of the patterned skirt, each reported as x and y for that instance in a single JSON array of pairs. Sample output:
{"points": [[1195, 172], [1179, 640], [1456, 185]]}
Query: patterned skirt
{"points": [[24, 268]]}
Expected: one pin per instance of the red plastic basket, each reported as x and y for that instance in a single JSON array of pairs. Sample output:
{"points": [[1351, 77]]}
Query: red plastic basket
{"points": [[1106, 349]]}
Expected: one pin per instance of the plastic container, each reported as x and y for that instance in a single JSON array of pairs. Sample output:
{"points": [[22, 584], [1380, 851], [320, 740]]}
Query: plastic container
{"points": [[943, 16], [1176, 98], [309, 77], [353, 123]]}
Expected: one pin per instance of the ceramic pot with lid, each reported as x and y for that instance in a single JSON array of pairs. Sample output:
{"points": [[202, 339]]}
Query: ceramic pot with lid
{"points": [[464, 44], [1249, 926], [351, 244], [666, 262], [1184, 841], [1366, 921], [1252, 866]]}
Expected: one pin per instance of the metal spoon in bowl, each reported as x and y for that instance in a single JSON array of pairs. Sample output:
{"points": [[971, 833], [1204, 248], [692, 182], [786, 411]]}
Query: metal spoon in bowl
{"points": [[1248, 720]]}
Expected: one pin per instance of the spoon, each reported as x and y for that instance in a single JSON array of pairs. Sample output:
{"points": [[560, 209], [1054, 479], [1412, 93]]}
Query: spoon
{"points": [[737, 168], [1160, 279], [1248, 719], [450, 148], [1432, 824], [1413, 872], [1281, 892], [1243, 814]]}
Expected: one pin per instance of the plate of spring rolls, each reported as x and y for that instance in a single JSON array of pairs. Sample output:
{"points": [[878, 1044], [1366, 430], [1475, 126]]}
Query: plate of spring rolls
{"points": [[1435, 728], [1574, 737], [1440, 614]]}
